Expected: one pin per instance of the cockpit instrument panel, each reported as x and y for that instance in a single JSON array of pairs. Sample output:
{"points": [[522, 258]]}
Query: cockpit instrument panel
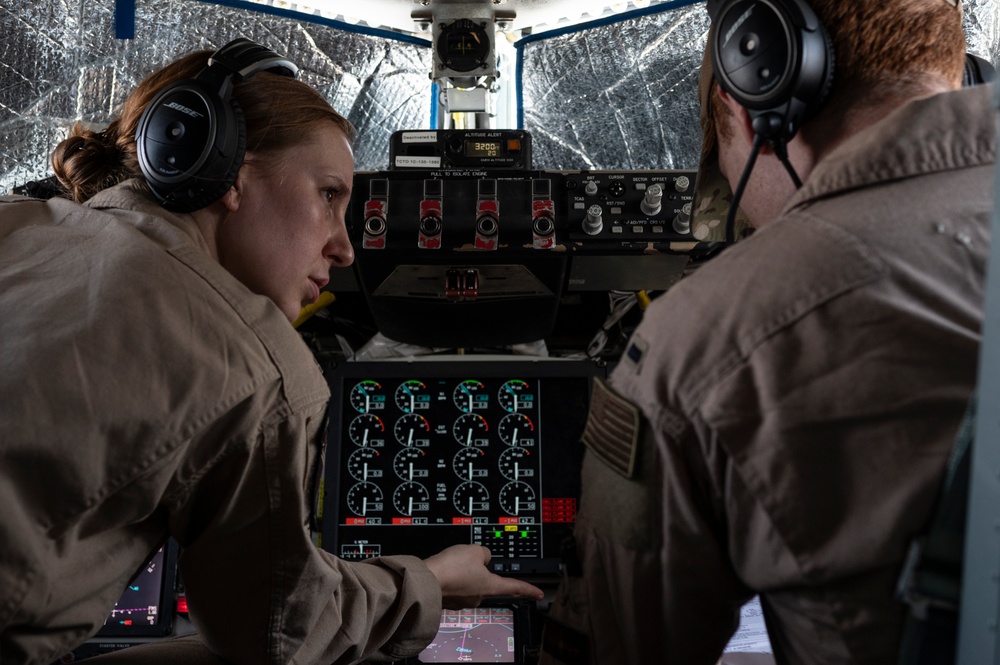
{"points": [[424, 454]]}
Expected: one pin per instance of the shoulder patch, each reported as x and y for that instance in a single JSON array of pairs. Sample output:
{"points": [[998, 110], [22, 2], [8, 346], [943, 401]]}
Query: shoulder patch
{"points": [[612, 430]]}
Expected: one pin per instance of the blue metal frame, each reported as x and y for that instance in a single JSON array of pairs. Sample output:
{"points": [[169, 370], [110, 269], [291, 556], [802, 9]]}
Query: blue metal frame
{"points": [[124, 19], [980, 602]]}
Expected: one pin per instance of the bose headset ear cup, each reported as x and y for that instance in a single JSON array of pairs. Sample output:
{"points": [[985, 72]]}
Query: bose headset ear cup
{"points": [[774, 58], [191, 138], [188, 142]]}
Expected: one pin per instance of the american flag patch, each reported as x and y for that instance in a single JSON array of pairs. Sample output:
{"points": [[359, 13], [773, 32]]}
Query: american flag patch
{"points": [[612, 431]]}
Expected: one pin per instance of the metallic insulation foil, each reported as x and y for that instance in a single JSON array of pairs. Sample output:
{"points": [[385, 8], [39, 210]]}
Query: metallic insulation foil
{"points": [[621, 96], [624, 96], [60, 63], [981, 19]]}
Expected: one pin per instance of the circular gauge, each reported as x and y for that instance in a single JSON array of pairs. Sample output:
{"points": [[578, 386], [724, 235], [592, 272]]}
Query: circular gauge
{"points": [[410, 498], [464, 45], [471, 497], [470, 428], [361, 464], [515, 463], [515, 395], [366, 430], [412, 395], [409, 463], [515, 428], [364, 499], [411, 430], [466, 461], [470, 394], [517, 498], [366, 396]]}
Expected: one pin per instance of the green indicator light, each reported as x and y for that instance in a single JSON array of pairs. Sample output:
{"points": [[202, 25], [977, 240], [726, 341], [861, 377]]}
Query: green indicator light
{"points": [[499, 534]]}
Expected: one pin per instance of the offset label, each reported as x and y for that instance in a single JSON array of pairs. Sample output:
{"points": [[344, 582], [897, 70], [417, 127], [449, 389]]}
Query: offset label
{"points": [[419, 137]]}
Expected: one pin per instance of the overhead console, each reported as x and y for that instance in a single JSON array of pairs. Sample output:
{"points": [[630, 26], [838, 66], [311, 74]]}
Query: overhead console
{"points": [[460, 242]]}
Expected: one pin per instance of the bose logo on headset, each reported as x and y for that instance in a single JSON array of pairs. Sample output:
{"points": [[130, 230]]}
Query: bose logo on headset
{"points": [[736, 26], [775, 59], [183, 109], [191, 137]]}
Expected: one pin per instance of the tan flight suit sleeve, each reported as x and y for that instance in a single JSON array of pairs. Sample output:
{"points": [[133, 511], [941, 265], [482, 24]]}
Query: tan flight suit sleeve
{"points": [[259, 591], [656, 584]]}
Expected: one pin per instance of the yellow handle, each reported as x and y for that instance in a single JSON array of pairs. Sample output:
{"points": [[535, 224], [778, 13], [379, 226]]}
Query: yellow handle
{"points": [[325, 298]]}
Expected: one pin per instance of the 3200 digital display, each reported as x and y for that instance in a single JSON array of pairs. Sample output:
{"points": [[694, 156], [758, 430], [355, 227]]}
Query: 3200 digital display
{"points": [[480, 148], [425, 455]]}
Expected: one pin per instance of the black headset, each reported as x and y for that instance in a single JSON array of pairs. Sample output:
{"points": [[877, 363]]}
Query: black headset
{"points": [[773, 57], [191, 137], [977, 71]]}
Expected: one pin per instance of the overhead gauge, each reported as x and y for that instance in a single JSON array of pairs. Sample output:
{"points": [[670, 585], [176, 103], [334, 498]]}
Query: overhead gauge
{"points": [[412, 396], [367, 396], [367, 430], [464, 46], [516, 395], [516, 429], [470, 395]]}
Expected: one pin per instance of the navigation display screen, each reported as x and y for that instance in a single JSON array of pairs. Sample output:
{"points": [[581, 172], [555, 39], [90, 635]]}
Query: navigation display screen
{"points": [[431, 453], [146, 606], [478, 635]]}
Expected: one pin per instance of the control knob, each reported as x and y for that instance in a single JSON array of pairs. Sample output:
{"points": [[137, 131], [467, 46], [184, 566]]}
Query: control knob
{"points": [[593, 224], [651, 202]]}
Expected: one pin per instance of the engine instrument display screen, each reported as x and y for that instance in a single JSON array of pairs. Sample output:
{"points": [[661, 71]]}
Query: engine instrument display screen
{"points": [[427, 454]]}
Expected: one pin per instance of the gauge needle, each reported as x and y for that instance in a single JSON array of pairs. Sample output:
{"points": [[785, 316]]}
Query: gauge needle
{"points": [[365, 477], [511, 391], [515, 471], [470, 498], [470, 476], [409, 509], [409, 439], [468, 439], [364, 505], [513, 438], [411, 470], [517, 505], [365, 441]]}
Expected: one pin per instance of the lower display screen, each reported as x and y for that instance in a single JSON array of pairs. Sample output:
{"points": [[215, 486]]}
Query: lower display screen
{"points": [[146, 606], [478, 635], [427, 454]]}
